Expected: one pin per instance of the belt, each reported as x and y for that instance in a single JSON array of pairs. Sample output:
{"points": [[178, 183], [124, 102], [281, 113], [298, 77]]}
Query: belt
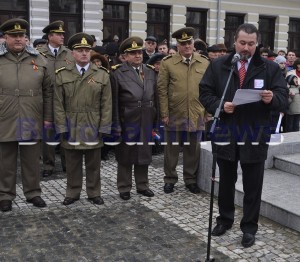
{"points": [[138, 104], [19, 92], [82, 109]]}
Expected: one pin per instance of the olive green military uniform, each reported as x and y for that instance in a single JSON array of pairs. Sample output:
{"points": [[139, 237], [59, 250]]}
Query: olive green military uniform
{"points": [[26, 97], [82, 109], [178, 91], [63, 58]]}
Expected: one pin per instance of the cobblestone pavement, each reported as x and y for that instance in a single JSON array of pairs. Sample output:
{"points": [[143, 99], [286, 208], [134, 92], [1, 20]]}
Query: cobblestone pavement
{"points": [[167, 227]]}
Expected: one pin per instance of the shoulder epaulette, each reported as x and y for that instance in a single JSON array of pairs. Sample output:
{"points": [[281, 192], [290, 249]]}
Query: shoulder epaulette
{"points": [[150, 66], [42, 53], [60, 69], [205, 57], [105, 69], [114, 67], [167, 57]]}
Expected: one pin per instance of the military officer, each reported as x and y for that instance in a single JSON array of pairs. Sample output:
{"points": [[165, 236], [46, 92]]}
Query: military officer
{"points": [[181, 112], [134, 114], [57, 56], [82, 113], [26, 97]]}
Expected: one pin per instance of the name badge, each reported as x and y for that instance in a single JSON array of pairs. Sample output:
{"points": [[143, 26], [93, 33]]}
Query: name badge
{"points": [[258, 83]]}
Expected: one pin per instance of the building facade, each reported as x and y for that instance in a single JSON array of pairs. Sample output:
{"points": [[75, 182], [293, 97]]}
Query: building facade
{"points": [[215, 20]]}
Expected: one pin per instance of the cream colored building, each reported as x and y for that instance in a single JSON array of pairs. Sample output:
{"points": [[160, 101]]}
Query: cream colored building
{"points": [[216, 10]]}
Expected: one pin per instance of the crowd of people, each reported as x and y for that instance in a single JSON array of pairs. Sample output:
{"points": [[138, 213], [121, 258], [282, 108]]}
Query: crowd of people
{"points": [[83, 95]]}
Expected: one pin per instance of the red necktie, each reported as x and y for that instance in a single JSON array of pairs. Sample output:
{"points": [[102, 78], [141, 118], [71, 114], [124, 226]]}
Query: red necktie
{"points": [[242, 72]]}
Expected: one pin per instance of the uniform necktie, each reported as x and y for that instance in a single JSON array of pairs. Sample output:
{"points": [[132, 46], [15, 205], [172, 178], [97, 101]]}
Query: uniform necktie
{"points": [[242, 72], [137, 71], [55, 52], [187, 61], [82, 71]]}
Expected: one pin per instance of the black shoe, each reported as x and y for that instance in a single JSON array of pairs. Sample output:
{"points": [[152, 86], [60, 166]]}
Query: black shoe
{"points": [[96, 200], [147, 192], [168, 188], [69, 201], [220, 230], [248, 240], [5, 205], [47, 173], [193, 188], [37, 201], [125, 195]]}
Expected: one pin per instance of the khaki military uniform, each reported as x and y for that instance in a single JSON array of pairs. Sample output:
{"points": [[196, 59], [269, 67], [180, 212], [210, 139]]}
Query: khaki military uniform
{"points": [[178, 91], [82, 109], [26, 96], [62, 59]]}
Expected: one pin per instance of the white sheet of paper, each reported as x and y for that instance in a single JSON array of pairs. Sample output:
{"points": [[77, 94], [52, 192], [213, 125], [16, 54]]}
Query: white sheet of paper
{"points": [[246, 96]]}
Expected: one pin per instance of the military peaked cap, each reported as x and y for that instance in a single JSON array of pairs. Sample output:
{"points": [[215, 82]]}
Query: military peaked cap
{"points": [[14, 26], [184, 34], [54, 27], [80, 40], [131, 44]]}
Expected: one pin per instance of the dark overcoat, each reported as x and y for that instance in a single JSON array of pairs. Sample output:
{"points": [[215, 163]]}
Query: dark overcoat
{"points": [[134, 112], [245, 133]]}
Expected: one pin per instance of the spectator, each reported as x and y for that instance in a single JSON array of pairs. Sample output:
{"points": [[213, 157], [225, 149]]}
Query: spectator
{"points": [[213, 52], [150, 48], [290, 57]]}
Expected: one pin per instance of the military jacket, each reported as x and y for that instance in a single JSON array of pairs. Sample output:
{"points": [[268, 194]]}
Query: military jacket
{"points": [[63, 58], [82, 106], [178, 91], [26, 95]]}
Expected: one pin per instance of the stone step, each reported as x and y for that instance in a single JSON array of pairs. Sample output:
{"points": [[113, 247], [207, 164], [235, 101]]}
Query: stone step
{"points": [[280, 197], [289, 163]]}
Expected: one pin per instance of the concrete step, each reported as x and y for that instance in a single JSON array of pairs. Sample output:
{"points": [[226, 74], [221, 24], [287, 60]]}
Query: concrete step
{"points": [[280, 197], [289, 163]]}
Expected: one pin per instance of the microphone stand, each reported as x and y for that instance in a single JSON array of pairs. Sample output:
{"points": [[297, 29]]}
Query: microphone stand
{"points": [[213, 176]]}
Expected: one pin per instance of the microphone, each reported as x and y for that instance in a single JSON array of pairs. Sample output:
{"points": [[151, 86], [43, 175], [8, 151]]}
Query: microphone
{"points": [[235, 58]]}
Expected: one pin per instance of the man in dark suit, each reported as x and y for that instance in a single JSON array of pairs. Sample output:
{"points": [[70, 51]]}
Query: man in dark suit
{"points": [[244, 130], [134, 113]]}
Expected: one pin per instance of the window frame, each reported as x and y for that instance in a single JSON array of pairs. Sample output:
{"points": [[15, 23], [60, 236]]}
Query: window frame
{"points": [[200, 30], [270, 33], [293, 36], [156, 24], [230, 31], [68, 17], [116, 21]]}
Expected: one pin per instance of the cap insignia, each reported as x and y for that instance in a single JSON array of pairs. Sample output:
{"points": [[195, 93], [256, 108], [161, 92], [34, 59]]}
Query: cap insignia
{"points": [[184, 35], [134, 44], [60, 28], [83, 41], [17, 26]]}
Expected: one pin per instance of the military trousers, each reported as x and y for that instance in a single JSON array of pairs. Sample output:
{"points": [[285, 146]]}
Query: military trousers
{"points": [[30, 169], [190, 142], [124, 177], [74, 165]]}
